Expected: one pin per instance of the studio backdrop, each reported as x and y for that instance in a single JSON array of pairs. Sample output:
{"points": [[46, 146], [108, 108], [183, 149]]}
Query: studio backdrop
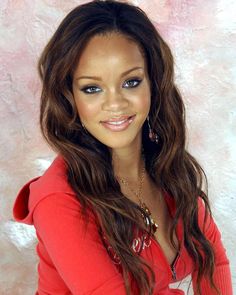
{"points": [[202, 36]]}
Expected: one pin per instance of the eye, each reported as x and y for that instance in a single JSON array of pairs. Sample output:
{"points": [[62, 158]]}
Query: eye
{"points": [[132, 83], [91, 89]]}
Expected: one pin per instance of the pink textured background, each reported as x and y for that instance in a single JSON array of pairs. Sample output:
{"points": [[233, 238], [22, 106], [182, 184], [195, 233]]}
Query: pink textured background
{"points": [[202, 36]]}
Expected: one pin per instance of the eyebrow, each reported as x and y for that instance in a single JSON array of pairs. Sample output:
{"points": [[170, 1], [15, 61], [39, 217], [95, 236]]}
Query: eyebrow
{"points": [[99, 79]]}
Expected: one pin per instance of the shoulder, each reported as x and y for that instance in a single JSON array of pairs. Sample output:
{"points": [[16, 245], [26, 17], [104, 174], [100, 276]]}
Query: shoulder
{"points": [[52, 182], [207, 223]]}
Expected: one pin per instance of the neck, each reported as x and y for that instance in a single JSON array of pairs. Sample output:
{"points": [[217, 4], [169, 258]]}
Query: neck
{"points": [[128, 163]]}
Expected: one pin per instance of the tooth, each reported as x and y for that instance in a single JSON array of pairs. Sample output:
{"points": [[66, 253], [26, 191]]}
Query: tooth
{"points": [[117, 122]]}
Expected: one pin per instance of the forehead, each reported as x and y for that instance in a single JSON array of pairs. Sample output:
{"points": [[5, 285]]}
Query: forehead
{"points": [[111, 49]]}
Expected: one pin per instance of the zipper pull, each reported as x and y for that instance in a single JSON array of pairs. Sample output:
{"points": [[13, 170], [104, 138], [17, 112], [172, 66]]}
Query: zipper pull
{"points": [[173, 273], [173, 270]]}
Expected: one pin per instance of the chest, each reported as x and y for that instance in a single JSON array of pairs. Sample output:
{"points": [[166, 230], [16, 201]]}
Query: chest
{"points": [[161, 215], [170, 263]]}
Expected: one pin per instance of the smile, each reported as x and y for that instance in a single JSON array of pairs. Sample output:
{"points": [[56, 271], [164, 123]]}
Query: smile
{"points": [[118, 124]]}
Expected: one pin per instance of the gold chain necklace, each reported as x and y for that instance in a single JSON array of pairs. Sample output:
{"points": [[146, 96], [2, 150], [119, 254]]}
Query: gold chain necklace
{"points": [[142, 204]]}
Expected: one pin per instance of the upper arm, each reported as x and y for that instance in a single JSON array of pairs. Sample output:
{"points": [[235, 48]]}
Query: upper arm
{"points": [[222, 276], [78, 255], [212, 233]]}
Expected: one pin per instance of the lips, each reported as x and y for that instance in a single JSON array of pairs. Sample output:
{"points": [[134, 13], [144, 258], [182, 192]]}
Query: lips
{"points": [[118, 124]]}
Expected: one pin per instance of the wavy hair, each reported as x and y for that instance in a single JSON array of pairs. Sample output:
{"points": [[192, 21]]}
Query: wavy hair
{"points": [[89, 163]]}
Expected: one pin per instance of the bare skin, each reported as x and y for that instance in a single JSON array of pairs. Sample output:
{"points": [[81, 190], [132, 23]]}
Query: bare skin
{"points": [[103, 92], [153, 199]]}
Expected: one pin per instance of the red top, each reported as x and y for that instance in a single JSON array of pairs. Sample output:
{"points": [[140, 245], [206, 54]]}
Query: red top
{"points": [[72, 261]]}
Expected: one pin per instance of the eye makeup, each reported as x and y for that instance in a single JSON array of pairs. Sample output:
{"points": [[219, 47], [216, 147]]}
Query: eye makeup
{"points": [[128, 84]]}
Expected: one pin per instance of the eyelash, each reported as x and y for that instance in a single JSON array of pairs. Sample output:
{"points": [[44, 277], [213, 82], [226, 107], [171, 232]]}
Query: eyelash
{"points": [[87, 89]]}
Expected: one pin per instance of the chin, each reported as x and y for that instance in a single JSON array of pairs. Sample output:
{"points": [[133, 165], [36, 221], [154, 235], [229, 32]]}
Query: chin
{"points": [[121, 142]]}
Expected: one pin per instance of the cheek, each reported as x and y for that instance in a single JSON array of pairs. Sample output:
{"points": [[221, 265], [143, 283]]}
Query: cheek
{"points": [[145, 100], [86, 110]]}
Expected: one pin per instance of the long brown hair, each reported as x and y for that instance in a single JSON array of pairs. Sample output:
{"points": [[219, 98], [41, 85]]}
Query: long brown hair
{"points": [[89, 162]]}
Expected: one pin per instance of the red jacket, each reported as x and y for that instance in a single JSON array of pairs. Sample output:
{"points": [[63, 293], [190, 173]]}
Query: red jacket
{"points": [[72, 261]]}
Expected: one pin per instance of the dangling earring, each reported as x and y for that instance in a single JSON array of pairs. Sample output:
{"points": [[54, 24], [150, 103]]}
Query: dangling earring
{"points": [[152, 135]]}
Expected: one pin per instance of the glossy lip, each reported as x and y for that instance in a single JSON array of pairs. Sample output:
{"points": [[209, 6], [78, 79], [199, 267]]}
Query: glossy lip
{"points": [[117, 118], [118, 124]]}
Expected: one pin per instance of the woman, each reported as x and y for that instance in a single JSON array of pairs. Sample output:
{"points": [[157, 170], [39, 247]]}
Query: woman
{"points": [[121, 209]]}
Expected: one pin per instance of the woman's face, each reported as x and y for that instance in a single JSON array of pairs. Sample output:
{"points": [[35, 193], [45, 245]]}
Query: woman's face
{"points": [[111, 90]]}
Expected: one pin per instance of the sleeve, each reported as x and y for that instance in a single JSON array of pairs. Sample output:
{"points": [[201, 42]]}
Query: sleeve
{"points": [[222, 275], [78, 256]]}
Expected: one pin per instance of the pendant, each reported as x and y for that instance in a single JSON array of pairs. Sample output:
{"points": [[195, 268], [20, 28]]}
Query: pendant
{"points": [[154, 225]]}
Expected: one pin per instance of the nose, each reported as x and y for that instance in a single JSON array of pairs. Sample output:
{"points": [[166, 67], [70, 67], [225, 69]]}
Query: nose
{"points": [[115, 101]]}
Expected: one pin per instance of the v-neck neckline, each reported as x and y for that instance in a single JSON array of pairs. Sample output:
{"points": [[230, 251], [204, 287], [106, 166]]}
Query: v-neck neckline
{"points": [[179, 235]]}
